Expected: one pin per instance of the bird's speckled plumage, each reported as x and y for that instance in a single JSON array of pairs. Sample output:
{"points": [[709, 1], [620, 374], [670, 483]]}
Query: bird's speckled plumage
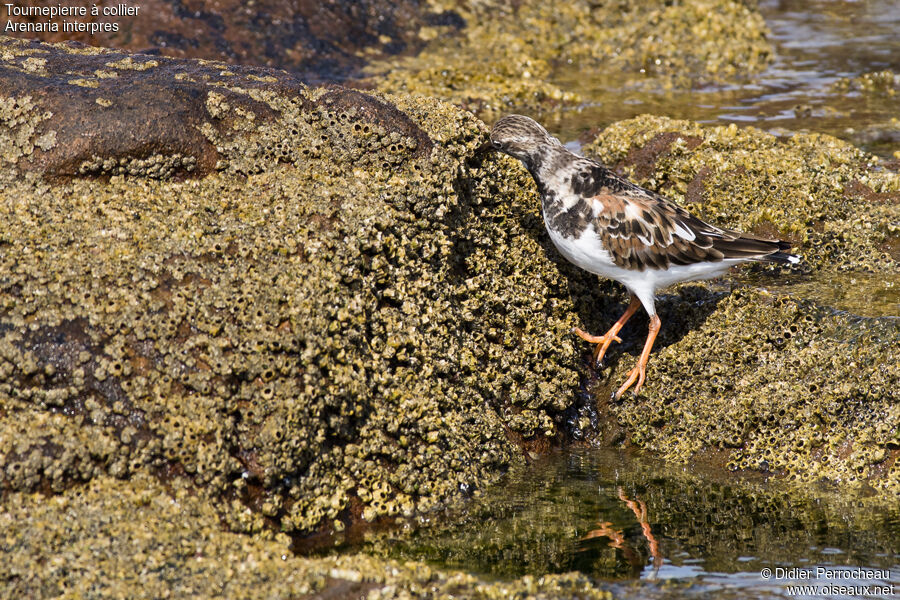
{"points": [[609, 226]]}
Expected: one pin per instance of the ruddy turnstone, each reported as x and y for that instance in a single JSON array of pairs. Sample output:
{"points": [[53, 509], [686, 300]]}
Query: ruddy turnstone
{"points": [[611, 227]]}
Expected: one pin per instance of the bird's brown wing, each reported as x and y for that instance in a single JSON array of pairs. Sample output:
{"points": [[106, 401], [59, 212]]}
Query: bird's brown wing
{"points": [[642, 230]]}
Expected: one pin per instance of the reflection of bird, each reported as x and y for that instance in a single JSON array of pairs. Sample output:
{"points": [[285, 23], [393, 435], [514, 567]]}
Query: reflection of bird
{"points": [[614, 228], [617, 537]]}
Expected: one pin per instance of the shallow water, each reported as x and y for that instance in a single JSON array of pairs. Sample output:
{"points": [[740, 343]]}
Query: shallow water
{"points": [[652, 529], [862, 294], [816, 42]]}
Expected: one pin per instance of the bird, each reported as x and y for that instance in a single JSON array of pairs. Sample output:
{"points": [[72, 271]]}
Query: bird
{"points": [[616, 229]]}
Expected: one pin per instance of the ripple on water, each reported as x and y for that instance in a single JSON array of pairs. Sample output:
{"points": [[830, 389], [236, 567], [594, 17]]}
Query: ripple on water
{"points": [[818, 43]]}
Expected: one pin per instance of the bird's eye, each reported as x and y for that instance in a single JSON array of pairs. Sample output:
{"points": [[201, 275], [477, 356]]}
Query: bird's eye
{"points": [[496, 144]]}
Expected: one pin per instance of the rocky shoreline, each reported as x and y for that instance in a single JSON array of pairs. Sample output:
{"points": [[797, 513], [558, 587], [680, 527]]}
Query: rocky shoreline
{"points": [[236, 309]]}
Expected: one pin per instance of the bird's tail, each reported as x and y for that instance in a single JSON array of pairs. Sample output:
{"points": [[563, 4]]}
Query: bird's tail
{"points": [[750, 247], [782, 257]]}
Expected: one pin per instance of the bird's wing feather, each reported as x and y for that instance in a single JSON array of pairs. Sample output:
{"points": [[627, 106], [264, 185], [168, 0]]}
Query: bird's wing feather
{"points": [[641, 229]]}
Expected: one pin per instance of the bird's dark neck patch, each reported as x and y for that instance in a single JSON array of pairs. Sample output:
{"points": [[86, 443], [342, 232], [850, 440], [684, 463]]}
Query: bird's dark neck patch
{"points": [[567, 222], [567, 214], [535, 164]]}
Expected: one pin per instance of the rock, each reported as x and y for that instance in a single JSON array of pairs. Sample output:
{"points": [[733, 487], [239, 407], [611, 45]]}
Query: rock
{"points": [[156, 117], [314, 39], [339, 313], [874, 83], [874, 92], [484, 56], [514, 56], [344, 312]]}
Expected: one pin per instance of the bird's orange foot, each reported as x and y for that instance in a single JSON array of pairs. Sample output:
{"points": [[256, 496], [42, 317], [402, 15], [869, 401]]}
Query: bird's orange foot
{"points": [[603, 342], [637, 374]]}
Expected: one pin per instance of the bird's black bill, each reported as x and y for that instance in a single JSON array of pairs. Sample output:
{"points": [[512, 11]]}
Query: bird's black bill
{"points": [[485, 147]]}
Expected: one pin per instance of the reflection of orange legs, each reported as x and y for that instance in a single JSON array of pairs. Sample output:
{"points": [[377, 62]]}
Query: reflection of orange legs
{"points": [[605, 529], [617, 538], [639, 372], [617, 541], [639, 508], [603, 341]]}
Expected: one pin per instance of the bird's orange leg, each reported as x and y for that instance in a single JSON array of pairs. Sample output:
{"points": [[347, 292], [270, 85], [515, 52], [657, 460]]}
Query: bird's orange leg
{"points": [[603, 341], [639, 372]]}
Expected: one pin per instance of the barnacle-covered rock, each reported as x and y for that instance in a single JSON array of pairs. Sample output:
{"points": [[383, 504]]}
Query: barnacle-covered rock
{"points": [[872, 93], [510, 53], [336, 313], [484, 55], [157, 118], [875, 83], [301, 308], [318, 39], [116, 539]]}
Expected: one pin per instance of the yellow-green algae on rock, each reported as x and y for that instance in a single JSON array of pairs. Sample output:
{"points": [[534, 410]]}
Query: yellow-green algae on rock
{"points": [[507, 52], [140, 539], [349, 318], [872, 92], [779, 383], [876, 83]]}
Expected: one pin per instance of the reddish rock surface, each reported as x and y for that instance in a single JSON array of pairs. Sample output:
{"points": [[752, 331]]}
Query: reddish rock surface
{"points": [[318, 39], [115, 107]]}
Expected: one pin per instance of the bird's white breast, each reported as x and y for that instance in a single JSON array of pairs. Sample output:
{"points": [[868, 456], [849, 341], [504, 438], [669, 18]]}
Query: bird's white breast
{"points": [[585, 251]]}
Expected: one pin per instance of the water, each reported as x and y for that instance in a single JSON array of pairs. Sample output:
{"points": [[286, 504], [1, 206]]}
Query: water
{"points": [[817, 43], [651, 529], [862, 294]]}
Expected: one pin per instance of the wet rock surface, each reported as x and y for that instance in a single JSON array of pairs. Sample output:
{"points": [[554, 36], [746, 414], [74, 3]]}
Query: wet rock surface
{"points": [[876, 92]]}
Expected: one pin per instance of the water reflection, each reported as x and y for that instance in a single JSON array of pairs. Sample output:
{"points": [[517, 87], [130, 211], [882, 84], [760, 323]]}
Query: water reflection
{"points": [[618, 517], [617, 540], [862, 294], [817, 43]]}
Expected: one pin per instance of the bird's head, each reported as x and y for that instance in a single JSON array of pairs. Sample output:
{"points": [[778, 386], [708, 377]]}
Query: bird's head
{"points": [[523, 138]]}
